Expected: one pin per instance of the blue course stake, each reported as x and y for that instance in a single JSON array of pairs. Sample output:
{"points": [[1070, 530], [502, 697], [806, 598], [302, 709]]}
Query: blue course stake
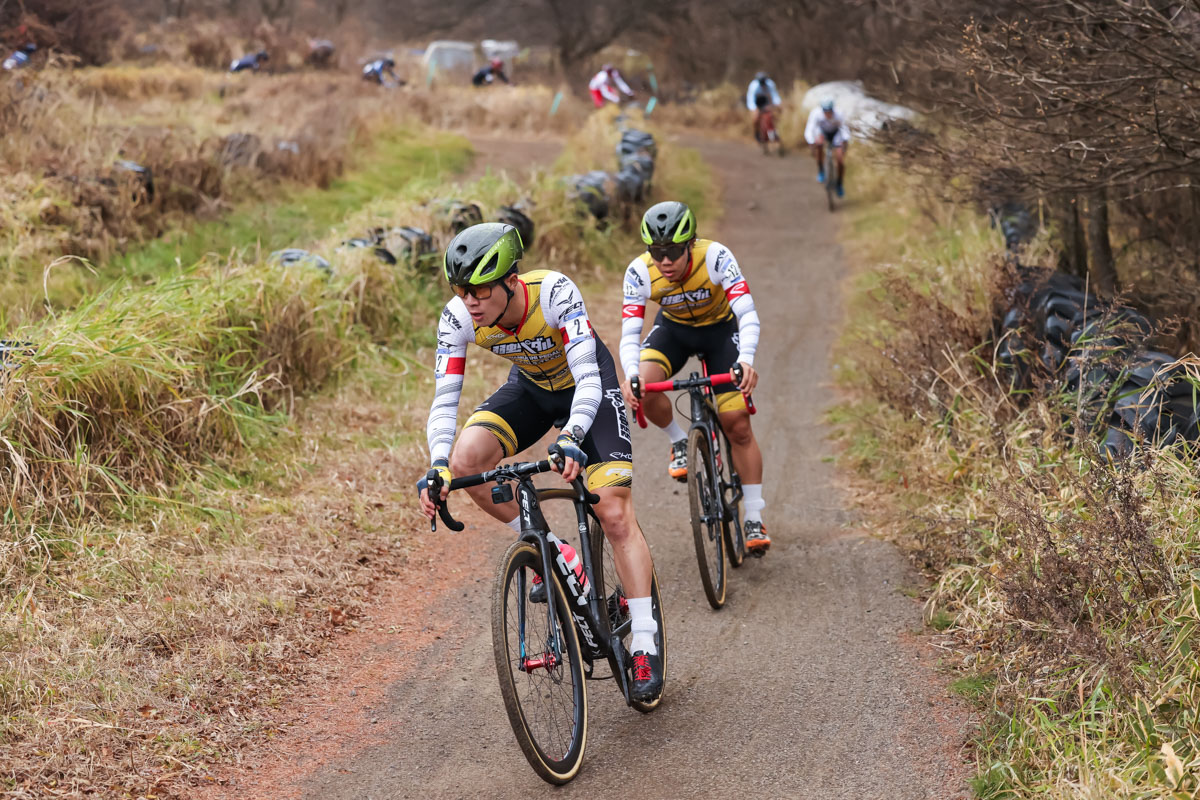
{"points": [[557, 99], [650, 104]]}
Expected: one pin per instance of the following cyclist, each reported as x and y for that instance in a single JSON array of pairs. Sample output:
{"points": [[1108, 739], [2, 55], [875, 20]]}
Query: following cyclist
{"points": [[705, 308], [762, 95], [605, 84], [489, 73], [250, 61], [561, 369], [828, 127], [377, 69]]}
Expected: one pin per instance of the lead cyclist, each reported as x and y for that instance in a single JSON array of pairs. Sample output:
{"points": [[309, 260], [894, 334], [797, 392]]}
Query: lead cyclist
{"points": [[538, 321]]}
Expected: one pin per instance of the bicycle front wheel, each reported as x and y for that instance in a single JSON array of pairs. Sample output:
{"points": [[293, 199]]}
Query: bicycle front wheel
{"points": [[540, 670], [830, 176], [707, 517]]}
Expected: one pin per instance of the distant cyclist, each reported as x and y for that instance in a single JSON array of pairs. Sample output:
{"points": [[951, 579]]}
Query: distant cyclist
{"points": [[20, 56], [380, 70], [761, 95], [608, 85], [490, 73], [320, 53], [561, 371], [826, 127], [250, 61], [704, 308]]}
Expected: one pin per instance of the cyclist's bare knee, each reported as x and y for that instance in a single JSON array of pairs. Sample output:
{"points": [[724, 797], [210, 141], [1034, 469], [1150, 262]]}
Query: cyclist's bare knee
{"points": [[736, 425], [615, 511], [476, 450], [651, 372]]}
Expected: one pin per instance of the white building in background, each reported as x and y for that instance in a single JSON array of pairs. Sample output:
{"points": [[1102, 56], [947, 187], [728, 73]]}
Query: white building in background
{"points": [[506, 51], [864, 114], [449, 56]]}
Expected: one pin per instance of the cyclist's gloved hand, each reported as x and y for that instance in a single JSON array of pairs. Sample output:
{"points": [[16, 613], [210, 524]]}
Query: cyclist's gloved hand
{"points": [[442, 468], [568, 446]]}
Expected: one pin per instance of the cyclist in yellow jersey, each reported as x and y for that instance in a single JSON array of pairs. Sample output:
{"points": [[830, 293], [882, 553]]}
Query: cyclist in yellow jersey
{"points": [[704, 308], [561, 369]]}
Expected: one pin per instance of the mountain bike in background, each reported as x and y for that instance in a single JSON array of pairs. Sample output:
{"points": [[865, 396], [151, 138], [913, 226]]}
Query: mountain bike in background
{"points": [[765, 133]]}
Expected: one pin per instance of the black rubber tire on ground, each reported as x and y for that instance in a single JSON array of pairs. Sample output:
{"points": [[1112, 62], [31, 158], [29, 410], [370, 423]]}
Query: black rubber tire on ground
{"points": [[532, 719], [830, 176], [705, 501]]}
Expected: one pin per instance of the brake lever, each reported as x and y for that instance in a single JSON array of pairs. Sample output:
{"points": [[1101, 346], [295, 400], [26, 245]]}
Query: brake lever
{"points": [[635, 388], [738, 373], [434, 479]]}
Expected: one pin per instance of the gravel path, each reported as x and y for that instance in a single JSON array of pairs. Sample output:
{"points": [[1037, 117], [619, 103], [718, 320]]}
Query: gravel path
{"points": [[806, 685]]}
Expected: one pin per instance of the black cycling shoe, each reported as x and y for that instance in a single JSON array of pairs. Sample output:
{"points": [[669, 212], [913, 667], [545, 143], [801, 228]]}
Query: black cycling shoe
{"points": [[647, 677], [537, 592]]}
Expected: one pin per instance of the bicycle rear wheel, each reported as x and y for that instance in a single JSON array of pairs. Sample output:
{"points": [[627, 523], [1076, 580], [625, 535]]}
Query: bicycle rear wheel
{"points": [[608, 585], [707, 515], [542, 686], [735, 539]]}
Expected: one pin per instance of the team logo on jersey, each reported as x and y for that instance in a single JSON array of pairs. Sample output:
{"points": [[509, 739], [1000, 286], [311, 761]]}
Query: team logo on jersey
{"points": [[448, 315], [533, 346], [691, 297]]}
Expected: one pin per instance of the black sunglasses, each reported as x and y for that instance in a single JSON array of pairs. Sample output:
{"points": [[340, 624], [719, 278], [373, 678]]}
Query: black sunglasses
{"points": [[667, 252], [478, 292]]}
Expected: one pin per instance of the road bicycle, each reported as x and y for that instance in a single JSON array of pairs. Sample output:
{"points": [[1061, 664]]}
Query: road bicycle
{"points": [[714, 487], [765, 133], [830, 171], [545, 651]]}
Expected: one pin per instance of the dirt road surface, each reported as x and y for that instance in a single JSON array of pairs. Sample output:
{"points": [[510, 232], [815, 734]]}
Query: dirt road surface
{"points": [[806, 685]]}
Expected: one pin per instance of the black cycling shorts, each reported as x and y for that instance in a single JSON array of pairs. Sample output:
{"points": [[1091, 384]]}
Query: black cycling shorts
{"points": [[670, 344], [520, 412]]}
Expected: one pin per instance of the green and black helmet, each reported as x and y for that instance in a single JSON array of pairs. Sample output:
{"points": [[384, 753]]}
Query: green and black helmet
{"points": [[483, 253], [670, 222]]}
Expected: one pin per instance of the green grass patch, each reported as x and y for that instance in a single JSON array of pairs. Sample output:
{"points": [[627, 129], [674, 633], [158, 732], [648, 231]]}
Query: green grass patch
{"points": [[389, 163], [973, 687]]}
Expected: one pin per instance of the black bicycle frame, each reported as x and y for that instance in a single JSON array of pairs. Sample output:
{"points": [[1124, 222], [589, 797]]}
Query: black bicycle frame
{"points": [[590, 616], [706, 418]]}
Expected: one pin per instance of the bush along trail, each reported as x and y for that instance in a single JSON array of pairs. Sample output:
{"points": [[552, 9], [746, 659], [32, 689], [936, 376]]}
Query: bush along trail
{"points": [[1035, 454], [170, 566]]}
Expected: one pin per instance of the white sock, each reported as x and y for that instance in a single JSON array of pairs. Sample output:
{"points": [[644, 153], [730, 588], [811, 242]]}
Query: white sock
{"points": [[515, 523], [643, 626], [752, 501], [674, 432]]}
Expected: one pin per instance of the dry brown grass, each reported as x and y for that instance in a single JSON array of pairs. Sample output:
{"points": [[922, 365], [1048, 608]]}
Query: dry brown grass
{"points": [[209, 139]]}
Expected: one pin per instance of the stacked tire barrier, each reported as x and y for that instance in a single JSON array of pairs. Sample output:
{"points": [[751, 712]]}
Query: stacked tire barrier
{"points": [[1057, 336], [602, 194], [407, 244]]}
